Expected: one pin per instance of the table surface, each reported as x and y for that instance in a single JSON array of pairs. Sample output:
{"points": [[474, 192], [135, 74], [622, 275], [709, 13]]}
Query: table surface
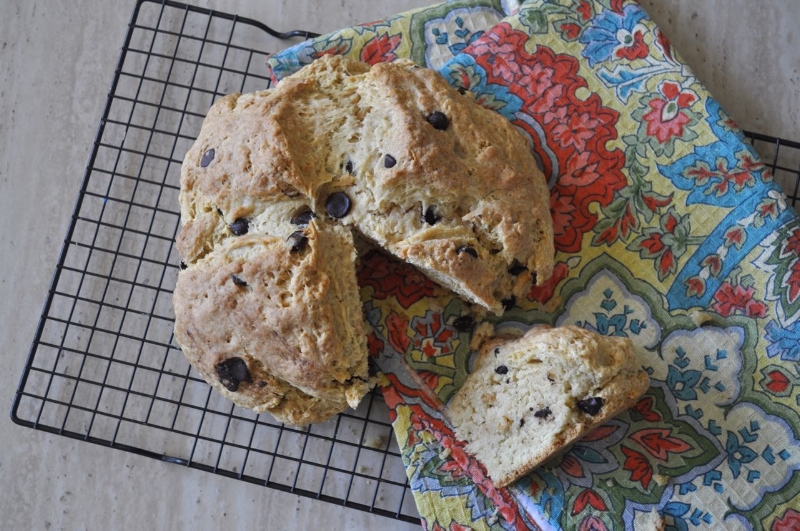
{"points": [[56, 64]]}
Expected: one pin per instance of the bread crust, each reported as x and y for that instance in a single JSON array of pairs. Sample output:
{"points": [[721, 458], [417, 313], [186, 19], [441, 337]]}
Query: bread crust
{"points": [[457, 194]]}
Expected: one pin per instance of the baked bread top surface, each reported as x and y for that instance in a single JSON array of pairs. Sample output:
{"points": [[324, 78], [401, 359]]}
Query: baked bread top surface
{"points": [[278, 178]]}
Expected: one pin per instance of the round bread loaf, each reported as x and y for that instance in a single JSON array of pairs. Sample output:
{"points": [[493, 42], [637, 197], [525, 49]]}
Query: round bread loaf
{"points": [[268, 309]]}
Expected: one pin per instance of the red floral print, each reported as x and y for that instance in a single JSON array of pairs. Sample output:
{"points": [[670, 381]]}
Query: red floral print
{"points": [[638, 465], [735, 237], [659, 443], [666, 45], [564, 213], [571, 31], [579, 171], [633, 48], [545, 291], [600, 433], [722, 177], [793, 281], [432, 338], [391, 278], [665, 120], [792, 244], [730, 299], [592, 523], [644, 407], [585, 10], [778, 382], [380, 49], [695, 286], [790, 521], [714, 263], [570, 465], [575, 129], [397, 327], [430, 378], [374, 344], [588, 497], [616, 5]]}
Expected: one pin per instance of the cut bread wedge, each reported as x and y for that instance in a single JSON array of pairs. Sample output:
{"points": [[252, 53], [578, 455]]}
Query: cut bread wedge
{"points": [[529, 398]]}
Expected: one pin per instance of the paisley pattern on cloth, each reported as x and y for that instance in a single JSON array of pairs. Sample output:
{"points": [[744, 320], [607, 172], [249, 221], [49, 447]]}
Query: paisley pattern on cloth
{"points": [[669, 230]]}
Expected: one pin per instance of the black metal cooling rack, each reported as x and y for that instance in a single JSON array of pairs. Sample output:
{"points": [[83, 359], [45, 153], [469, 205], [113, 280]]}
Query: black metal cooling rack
{"points": [[103, 366]]}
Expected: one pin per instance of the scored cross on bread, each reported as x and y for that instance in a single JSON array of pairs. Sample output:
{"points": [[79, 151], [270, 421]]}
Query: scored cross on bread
{"points": [[267, 309]]}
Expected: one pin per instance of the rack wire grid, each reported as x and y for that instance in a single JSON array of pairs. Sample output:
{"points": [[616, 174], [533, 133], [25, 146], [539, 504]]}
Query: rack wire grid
{"points": [[104, 367]]}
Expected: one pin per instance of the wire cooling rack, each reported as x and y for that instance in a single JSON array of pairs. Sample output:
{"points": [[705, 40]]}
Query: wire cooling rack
{"points": [[104, 367]]}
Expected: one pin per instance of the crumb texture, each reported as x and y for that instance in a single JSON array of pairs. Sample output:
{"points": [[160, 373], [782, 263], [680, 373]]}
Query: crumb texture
{"points": [[530, 397]]}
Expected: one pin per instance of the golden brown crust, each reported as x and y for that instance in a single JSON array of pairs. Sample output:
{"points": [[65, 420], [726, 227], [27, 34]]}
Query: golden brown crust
{"points": [[478, 174], [281, 311], [463, 201]]}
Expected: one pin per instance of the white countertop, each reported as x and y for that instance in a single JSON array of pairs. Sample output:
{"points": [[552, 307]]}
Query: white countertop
{"points": [[56, 61]]}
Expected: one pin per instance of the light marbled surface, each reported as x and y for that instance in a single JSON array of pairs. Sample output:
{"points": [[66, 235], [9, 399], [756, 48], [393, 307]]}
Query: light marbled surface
{"points": [[57, 60]]}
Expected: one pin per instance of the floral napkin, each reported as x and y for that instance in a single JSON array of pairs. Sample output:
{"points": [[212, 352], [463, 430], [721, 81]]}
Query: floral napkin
{"points": [[669, 230]]}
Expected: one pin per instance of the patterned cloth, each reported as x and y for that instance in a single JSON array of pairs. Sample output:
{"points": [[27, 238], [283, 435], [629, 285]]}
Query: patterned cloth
{"points": [[668, 230]]}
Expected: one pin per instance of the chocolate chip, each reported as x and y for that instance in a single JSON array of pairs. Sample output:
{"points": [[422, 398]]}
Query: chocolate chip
{"points": [[208, 158], [463, 323], [467, 249], [543, 413], [509, 303], [232, 372], [338, 204], [591, 405], [438, 120], [517, 269], [303, 218], [298, 241], [502, 369], [389, 161], [183, 265], [238, 281], [521, 422], [240, 226], [349, 167], [496, 352], [431, 215]]}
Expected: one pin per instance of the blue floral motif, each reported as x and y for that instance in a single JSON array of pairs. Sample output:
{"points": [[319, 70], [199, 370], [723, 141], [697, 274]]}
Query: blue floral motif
{"points": [[784, 342], [738, 454], [289, 61], [730, 150], [464, 72], [617, 324], [601, 38]]}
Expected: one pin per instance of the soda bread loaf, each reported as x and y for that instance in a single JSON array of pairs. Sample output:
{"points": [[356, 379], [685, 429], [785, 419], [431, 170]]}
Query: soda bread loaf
{"points": [[268, 309], [530, 397]]}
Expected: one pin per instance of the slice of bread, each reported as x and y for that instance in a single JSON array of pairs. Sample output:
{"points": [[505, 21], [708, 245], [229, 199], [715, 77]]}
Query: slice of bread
{"points": [[530, 397]]}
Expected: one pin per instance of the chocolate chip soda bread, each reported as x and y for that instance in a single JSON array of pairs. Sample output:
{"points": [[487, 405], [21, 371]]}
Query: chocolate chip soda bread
{"points": [[267, 309], [528, 398]]}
